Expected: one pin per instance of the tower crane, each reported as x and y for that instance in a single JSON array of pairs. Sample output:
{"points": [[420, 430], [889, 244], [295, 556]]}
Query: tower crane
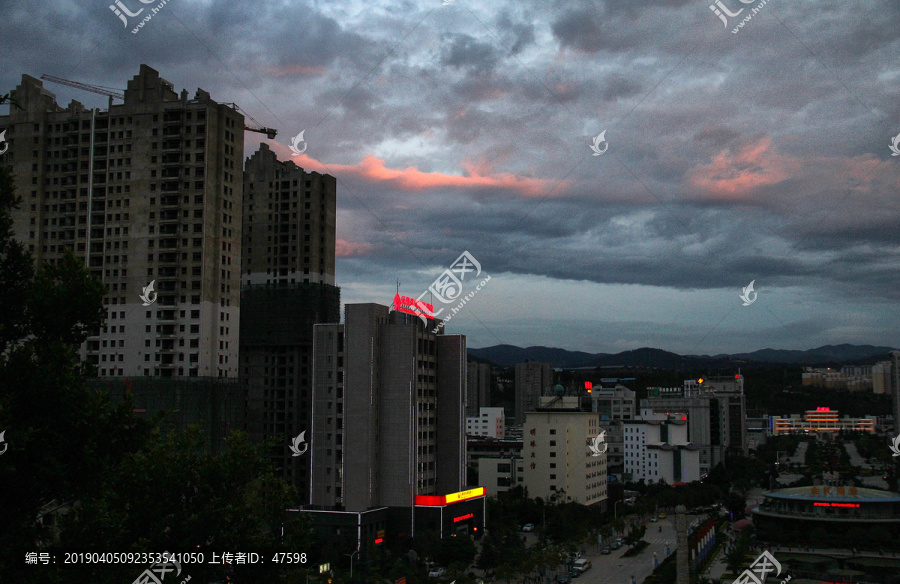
{"points": [[117, 94]]}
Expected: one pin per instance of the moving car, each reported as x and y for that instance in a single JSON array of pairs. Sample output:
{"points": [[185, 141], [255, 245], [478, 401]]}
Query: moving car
{"points": [[653, 520], [528, 527], [662, 515], [605, 551], [437, 573]]}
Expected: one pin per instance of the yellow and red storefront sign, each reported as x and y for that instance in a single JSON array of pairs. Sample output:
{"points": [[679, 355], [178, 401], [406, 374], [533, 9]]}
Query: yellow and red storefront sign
{"points": [[441, 500]]}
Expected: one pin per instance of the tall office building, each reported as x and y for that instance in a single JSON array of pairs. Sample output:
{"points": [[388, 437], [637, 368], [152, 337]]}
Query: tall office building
{"points": [[388, 411], [478, 387], [147, 192], [287, 286], [532, 378]]}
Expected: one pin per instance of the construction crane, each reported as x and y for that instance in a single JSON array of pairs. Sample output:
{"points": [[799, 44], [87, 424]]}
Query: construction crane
{"points": [[269, 132], [116, 93]]}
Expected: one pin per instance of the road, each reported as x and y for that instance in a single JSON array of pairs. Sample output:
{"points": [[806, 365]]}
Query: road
{"points": [[615, 569]]}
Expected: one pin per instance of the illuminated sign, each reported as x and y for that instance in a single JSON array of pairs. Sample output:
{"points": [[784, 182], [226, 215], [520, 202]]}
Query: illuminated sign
{"points": [[379, 540], [463, 517], [588, 385], [463, 495], [835, 504], [441, 500], [823, 409], [413, 306]]}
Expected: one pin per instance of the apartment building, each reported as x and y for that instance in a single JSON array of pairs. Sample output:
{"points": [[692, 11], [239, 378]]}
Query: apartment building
{"points": [[146, 193]]}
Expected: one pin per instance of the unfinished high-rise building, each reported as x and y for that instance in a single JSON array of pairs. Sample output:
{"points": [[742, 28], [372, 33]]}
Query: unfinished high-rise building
{"points": [[146, 193], [288, 286]]}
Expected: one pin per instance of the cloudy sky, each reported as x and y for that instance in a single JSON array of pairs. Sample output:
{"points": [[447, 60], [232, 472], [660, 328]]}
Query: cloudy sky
{"points": [[756, 155]]}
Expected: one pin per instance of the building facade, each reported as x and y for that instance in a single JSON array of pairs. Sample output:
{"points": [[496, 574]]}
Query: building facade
{"points": [[716, 413], [287, 287], [821, 420], [558, 460], [478, 387], [146, 193], [400, 391], [532, 378], [489, 422], [657, 449], [615, 406]]}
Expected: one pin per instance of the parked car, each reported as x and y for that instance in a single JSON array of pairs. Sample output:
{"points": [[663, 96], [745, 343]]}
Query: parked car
{"points": [[662, 515], [582, 565], [653, 520], [437, 573], [528, 527], [563, 579], [605, 551]]}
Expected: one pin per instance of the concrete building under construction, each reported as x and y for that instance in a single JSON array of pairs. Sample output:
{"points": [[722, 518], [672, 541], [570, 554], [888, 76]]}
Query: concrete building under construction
{"points": [[287, 287], [147, 192]]}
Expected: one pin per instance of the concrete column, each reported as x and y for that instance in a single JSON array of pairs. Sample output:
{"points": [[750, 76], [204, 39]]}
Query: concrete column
{"points": [[681, 542]]}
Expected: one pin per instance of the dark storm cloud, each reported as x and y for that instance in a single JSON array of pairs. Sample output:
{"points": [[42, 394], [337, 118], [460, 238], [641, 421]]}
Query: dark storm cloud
{"points": [[462, 51]]}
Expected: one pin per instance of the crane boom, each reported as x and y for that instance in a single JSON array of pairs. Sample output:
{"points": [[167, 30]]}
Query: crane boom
{"points": [[110, 92]]}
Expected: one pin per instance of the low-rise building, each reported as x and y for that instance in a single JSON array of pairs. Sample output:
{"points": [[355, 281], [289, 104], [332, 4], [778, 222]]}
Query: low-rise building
{"points": [[489, 422], [821, 419], [657, 449]]}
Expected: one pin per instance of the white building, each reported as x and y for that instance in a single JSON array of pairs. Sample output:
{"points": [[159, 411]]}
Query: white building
{"points": [[558, 460], [489, 422], [657, 449]]}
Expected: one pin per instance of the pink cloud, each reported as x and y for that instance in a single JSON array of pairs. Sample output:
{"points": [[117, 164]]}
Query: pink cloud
{"points": [[476, 176], [348, 249], [735, 174]]}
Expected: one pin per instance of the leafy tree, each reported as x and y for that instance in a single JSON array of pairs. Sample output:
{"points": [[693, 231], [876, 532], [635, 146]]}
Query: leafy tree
{"points": [[116, 481]]}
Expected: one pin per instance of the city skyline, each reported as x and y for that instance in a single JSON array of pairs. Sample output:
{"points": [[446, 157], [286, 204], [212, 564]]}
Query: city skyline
{"points": [[730, 158]]}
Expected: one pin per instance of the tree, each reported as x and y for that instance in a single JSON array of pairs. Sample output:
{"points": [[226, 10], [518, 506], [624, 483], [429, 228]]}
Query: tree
{"points": [[122, 484]]}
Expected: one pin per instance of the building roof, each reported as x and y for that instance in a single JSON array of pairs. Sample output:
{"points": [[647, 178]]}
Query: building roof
{"points": [[862, 494]]}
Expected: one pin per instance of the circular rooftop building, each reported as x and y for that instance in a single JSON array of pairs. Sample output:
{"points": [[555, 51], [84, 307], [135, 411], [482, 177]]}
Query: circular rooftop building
{"points": [[828, 516]]}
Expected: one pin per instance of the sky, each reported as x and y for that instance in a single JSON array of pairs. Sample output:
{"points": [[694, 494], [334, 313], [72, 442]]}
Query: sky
{"points": [[728, 155]]}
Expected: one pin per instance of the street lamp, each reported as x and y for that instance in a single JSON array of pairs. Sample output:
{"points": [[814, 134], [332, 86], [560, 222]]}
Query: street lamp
{"points": [[351, 562]]}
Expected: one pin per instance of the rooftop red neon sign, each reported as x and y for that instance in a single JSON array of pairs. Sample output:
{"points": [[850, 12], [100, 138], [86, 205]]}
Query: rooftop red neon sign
{"points": [[817, 504], [413, 306]]}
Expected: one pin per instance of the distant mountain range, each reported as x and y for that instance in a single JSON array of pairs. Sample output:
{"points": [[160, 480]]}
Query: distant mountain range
{"points": [[509, 355]]}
